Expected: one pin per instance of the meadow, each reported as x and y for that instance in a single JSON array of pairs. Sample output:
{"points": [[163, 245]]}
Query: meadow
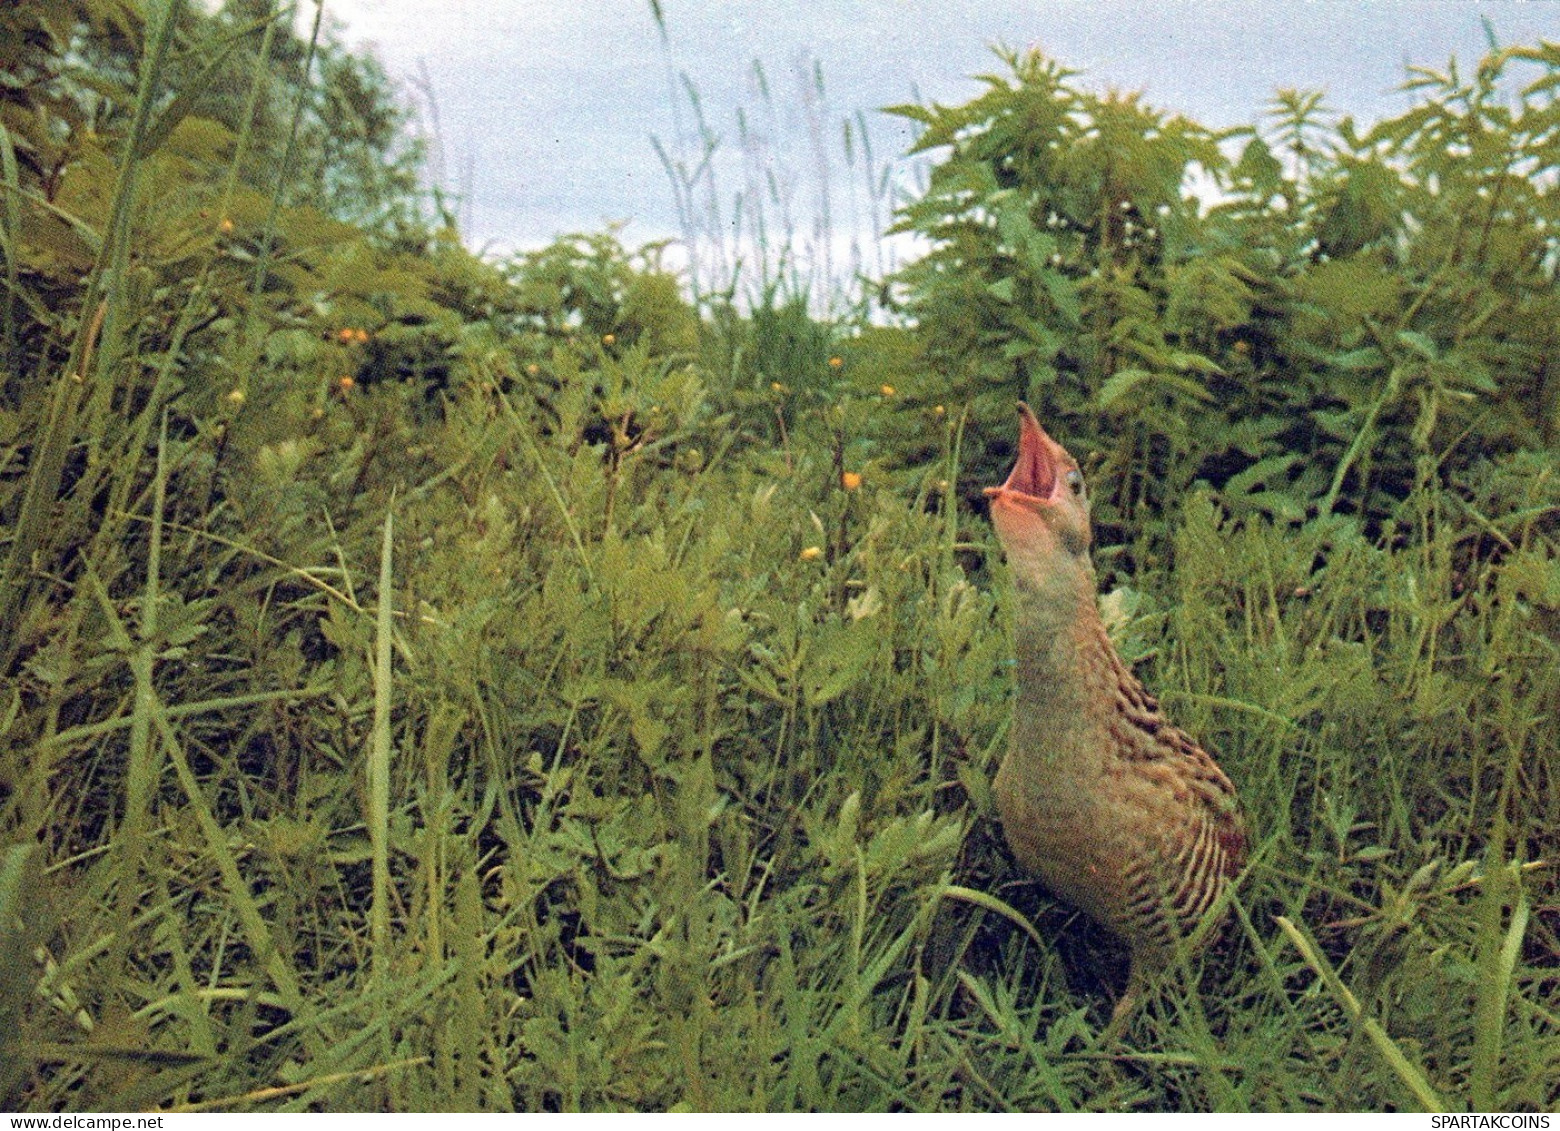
{"points": [[436, 682]]}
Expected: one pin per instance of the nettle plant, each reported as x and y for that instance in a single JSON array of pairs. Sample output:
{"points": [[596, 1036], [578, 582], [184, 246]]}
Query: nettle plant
{"points": [[1308, 317]]}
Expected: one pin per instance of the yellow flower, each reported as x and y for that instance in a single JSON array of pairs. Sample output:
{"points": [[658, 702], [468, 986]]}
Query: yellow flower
{"points": [[360, 336], [236, 396], [226, 227], [836, 362], [850, 480], [811, 554], [346, 334], [939, 411], [533, 369], [346, 384], [609, 339], [887, 390]]}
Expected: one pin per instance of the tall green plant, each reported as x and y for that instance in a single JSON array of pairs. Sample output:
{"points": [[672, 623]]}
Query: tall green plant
{"points": [[95, 353], [1060, 226], [1351, 303]]}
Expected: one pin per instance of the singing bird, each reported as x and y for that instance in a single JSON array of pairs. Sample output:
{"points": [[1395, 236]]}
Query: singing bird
{"points": [[1115, 809]]}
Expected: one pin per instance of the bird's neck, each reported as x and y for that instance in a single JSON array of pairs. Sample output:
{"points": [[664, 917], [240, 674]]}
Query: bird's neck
{"points": [[1065, 663]]}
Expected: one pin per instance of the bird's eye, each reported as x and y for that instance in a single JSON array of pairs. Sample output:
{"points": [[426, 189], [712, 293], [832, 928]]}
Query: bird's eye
{"points": [[1075, 481]]}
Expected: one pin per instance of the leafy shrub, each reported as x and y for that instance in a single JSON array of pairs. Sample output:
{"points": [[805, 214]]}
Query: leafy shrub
{"points": [[1301, 342]]}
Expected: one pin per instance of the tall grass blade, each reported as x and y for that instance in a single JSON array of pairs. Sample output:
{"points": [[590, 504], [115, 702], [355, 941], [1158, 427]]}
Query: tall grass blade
{"points": [[11, 249], [103, 298], [1497, 962], [141, 773], [379, 756], [268, 230], [1410, 1074], [988, 902], [21, 868]]}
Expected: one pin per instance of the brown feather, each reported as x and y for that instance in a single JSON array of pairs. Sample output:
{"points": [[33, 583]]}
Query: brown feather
{"points": [[1115, 808]]}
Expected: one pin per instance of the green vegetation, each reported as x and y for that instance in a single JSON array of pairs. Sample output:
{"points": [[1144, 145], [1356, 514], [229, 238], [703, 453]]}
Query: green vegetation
{"points": [[432, 683]]}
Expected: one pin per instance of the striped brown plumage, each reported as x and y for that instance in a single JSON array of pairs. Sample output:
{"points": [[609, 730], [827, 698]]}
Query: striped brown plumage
{"points": [[1116, 809]]}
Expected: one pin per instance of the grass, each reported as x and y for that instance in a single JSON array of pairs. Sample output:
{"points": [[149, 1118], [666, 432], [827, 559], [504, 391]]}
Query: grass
{"points": [[599, 792], [362, 756]]}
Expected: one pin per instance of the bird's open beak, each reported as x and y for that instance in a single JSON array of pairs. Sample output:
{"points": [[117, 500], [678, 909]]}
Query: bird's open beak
{"points": [[1034, 477]]}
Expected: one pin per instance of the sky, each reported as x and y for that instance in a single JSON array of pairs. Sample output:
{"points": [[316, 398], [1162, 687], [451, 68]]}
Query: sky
{"points": [[545, 112]]}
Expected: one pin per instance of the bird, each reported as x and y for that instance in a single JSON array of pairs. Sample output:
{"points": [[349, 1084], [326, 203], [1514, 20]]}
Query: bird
{"points": [[1116, 810]]}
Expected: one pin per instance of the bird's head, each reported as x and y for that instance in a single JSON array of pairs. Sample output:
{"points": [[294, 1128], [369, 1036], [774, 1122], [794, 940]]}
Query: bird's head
{"points": [[1042, 512]]}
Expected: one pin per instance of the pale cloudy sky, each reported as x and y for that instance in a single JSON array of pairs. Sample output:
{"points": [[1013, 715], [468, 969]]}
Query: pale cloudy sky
{"points": [[547, 109]]}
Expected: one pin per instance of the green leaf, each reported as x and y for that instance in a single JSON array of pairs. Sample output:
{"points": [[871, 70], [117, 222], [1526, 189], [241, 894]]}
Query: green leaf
{"points": [[1188, 362], [1420, 344], [1119, 385], [1359, 360], [1271, 472]]}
